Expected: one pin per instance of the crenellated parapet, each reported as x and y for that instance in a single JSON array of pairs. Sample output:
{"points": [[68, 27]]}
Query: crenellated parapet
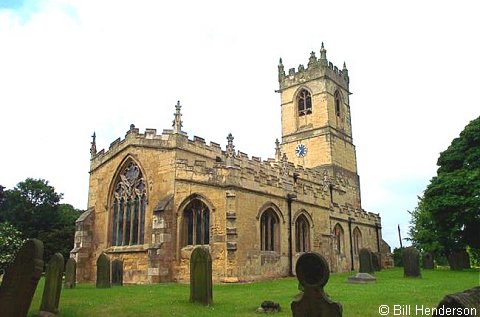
{"points": [[316, 68]]}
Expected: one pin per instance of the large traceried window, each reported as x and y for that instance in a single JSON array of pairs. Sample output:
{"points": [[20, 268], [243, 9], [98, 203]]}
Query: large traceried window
{"points": [[304, 102], [302, 234], [196, 223], [269, 231], [338, 233], [129, 204], [357, 241]]}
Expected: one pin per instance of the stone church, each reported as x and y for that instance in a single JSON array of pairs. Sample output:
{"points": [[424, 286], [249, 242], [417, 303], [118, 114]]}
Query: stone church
{"points": [[153, 197]]}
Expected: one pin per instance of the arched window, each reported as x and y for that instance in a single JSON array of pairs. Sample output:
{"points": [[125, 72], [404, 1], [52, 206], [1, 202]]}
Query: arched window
{"points": [[269, 231], [129, 204], [338, 233], [338, 104], [196, 223], [357, 240], [304, 101], [302, 234]]}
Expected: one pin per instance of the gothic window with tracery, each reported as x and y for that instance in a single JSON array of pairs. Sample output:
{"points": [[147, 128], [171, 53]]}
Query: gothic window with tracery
{"points": [[129, 204], [302, 234], [304, 101], [269, 231], [357, 240], [338, 233], [196, 224]]}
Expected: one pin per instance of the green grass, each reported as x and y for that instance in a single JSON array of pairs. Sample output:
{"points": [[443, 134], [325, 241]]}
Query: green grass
{"points": [[242, 299]]}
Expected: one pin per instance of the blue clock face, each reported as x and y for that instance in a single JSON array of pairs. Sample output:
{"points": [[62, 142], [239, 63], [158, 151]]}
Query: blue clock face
{"points": [[301, 150]]}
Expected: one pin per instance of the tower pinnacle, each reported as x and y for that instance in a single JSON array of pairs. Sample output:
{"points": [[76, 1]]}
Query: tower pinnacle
{"points": [[177, 121], [93, 147]]}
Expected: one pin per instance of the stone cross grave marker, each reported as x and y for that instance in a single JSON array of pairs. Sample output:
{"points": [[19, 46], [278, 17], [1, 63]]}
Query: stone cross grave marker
{"points": [[313, 273], [117, 272], [411, 262], [103, 272], [53, 286], [201, 276], [20, 280], [70, 273]]}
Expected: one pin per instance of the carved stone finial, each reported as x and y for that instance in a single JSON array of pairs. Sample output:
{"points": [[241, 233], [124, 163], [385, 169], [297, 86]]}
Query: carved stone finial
{"points": [[177, 121], [312, 60], [323, 55], [132, 126], [278, 154], [230, 151], [345, 72], [281, 70], [93, 147]]}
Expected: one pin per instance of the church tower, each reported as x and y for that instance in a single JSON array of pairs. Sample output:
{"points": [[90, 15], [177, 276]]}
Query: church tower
{"points": [[316, 125]]}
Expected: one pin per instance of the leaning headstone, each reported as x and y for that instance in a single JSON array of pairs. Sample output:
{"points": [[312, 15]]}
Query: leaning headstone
{"points": [[466, 303], [411, 262], [427, 261], [53, 286], [313, 273], [20, 280], [103, 271], [70, 274], [117, 272], [201, 276]]}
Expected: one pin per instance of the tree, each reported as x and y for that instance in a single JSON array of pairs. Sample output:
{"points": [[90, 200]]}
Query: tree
{"points": [[449, 212], [423, 232], [33, 208], [10, 242]]}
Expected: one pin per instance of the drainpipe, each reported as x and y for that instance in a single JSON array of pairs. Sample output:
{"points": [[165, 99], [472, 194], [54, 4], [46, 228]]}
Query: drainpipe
{"points": [[290, 198], [378, 227], [350, 219]]}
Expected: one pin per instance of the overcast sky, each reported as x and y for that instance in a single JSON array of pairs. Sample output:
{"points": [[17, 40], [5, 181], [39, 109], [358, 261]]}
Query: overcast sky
{"points": [[69, 68]]}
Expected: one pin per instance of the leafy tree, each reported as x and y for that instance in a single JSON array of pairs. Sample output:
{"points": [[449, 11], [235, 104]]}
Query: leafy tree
{"points": [[447, 218], [10, 242], [33, 207]]}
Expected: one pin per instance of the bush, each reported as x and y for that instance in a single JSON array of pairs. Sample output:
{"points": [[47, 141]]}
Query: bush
{"points": [[10, 242], [397, 257]]}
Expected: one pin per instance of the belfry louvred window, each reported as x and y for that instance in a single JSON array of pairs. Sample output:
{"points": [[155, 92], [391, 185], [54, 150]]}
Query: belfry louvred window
{"points": [[304, 101], [129, 204]]}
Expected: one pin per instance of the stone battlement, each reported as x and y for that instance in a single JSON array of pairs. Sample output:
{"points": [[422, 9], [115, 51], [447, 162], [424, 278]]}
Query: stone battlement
{"points": [[316, 68]]}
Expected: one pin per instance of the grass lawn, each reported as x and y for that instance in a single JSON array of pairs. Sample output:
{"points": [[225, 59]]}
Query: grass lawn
{"points": [[242, 299]]}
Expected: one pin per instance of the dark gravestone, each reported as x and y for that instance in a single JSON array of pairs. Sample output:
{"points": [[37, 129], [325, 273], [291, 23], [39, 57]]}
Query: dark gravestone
{"points": [[20, 280], [201, 276], [117, 272], [427, 261], [366, 262], [103, 271], [366, 268], [411, 262], [376, 261], [313, 272], [70, 273], [466, 303], [458, 260], [53, 286]]}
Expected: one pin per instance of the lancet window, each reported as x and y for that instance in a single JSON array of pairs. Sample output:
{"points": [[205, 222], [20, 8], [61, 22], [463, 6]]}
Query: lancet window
{"points": [[302, 234], [129, 204], [269, 231], [339, 236], [196, 225]]}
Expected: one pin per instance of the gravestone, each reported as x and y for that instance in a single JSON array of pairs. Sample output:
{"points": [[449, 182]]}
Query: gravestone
{"points": [[103, 272], [70, 273], [458, 260], [411, 262], [376, 261], [313, 273], [366, 262], [20, 280], [201, 276], [427, 261], [466, 303], [53, 286], [366, 268], [117, 272]]}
